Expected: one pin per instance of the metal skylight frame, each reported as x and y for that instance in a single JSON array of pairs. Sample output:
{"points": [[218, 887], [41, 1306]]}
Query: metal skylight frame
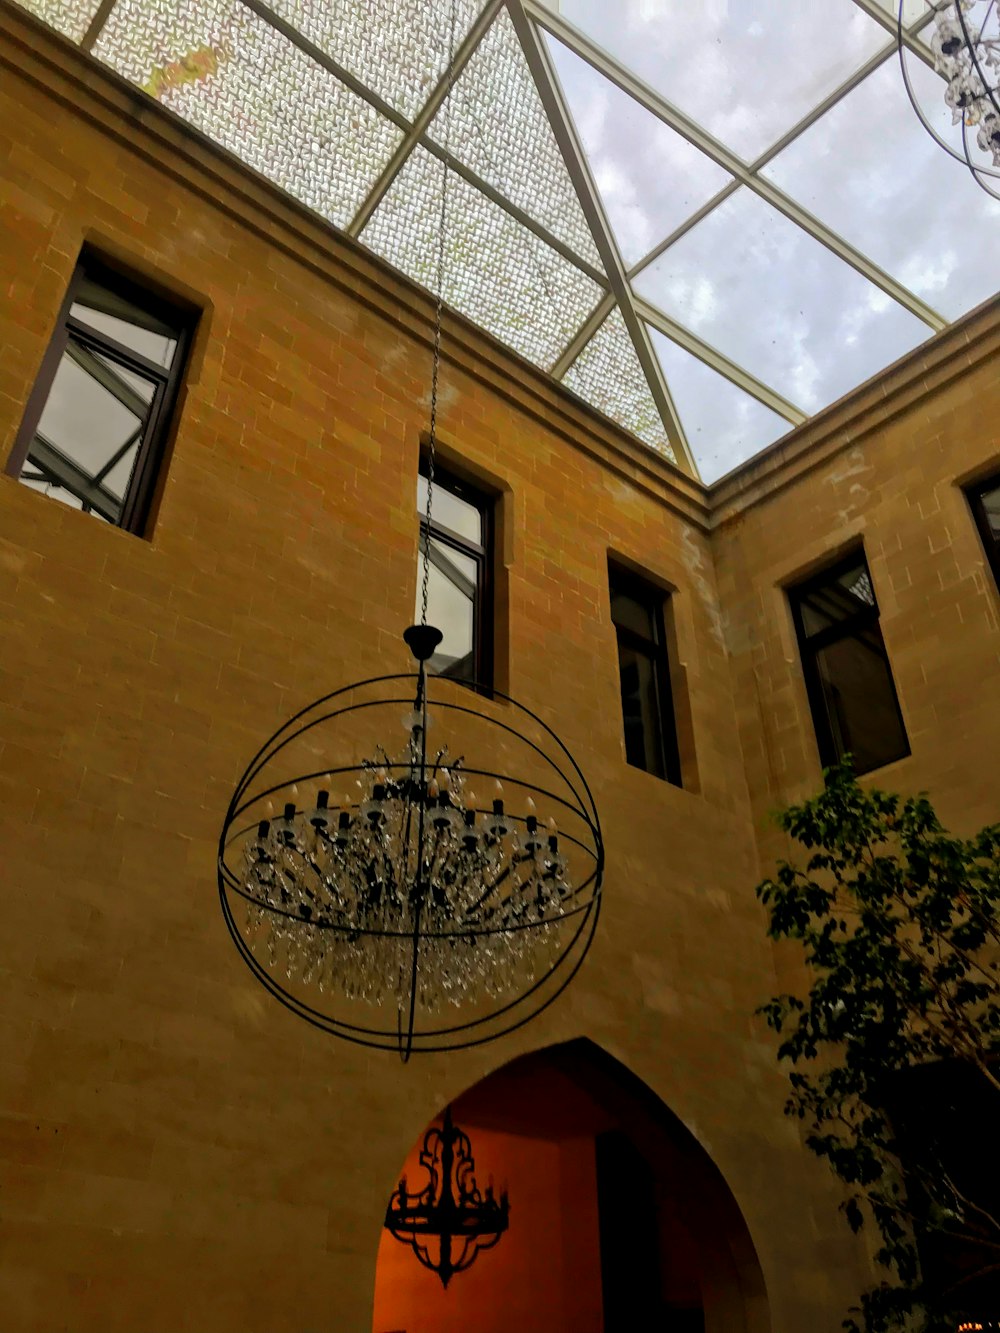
{"points": [[530, 19]]}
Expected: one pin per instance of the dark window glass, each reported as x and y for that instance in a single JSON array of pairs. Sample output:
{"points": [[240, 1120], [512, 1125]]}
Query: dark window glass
{"points": [[851, 691], [985, 501], [644, 674], [459, 585], [94, 430]]}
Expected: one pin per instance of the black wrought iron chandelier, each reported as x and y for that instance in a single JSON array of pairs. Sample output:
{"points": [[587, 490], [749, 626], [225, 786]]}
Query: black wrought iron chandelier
{"points": [[369, 888], [450, 1220], [966, 49]]}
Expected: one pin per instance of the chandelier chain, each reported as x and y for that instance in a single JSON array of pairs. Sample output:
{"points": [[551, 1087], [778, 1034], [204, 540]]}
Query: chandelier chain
{"points": [[438, 316]]}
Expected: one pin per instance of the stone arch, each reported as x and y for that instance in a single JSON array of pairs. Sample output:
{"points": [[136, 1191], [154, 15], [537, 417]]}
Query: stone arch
{"points": [[613, 1200]]}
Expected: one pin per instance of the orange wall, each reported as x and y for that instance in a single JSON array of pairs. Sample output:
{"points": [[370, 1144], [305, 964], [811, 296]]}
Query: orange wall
{"points": [[544, 1274]]}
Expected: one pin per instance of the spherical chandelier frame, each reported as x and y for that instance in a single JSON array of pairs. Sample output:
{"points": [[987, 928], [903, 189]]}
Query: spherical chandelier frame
{"points": [[987, 94], [415, 1030]]}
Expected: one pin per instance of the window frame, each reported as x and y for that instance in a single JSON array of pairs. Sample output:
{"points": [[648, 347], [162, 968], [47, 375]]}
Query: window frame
{"points": [[137, 500], [654, 598], [481, 553], [991, 543], [865, 618]]}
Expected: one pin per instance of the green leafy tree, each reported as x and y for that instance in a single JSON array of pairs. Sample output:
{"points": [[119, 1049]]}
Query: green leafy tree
{"points": [[900, 925]]}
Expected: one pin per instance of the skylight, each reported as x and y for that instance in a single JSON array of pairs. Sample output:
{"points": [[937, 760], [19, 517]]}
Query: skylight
{"points": [[708, 221]]}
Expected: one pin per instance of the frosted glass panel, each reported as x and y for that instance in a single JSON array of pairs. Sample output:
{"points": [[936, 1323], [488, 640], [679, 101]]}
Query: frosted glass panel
{"points": [[724, 426], [70, 17], [607, 374], [870, 170], [497, 272], [777, 302], [397, 48], [239, 81], [499, 128], [649, 178]]}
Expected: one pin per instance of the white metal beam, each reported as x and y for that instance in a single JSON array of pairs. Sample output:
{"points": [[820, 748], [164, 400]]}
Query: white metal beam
{"points": [[724, 157], [565, 132], [415, 133], [96, 25], [583, 336], [718, 361]]}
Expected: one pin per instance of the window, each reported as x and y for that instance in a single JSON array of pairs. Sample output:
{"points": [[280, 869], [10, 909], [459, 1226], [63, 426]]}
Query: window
{"points": [[985, 501], [94, 430], [851, 691], [459, 598], [647, 703]]}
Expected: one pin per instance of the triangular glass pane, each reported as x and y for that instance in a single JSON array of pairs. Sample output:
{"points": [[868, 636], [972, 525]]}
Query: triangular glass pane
{"points": [[397, 48], [723, 424], [895, 194], [912, 9], [497, 272], [608, 376], [496, 124], [70, 17], [776, 301], [242, 83], [650, 179], [746, 72]]}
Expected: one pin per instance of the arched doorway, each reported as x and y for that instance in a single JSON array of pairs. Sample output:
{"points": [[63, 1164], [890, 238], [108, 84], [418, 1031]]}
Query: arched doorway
{"points": [[619, 1221]]}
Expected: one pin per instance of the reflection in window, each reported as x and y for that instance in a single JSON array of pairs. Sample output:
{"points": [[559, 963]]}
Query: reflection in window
{"points": [[459, 584], [644, 674], [93, 434], [985, 501], [851, 691]]}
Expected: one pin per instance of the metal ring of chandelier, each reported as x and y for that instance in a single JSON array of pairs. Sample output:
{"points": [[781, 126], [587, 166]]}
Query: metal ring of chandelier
{"points": [[966, 51], [385, 883]]}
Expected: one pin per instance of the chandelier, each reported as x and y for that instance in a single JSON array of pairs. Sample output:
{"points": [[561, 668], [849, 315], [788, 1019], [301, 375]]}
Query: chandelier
{"points": [[966, 50], [383, 900], [450, 1220], [366, 884]]}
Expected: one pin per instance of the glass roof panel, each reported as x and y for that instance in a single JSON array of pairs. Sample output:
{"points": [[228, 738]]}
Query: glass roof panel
{"points": [[397, 48], [744, 278], [649, 177], [723, 424], [746, 72], [761, 290], [497, 125], [70, 17], [870, 171], [607, 374], [912, 9], [497, 272], [235, 78]]}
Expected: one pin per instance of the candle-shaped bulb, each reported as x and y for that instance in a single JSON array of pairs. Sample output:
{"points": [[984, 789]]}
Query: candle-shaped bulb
{"points": [[445, 780], [470, 799], [552, 826], [433, 790], [530, 806]]}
